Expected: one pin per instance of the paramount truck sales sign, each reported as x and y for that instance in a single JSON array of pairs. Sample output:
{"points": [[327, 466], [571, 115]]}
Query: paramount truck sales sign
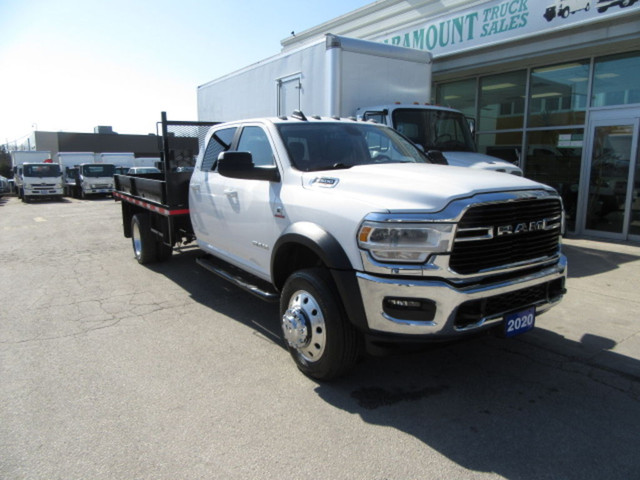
{"points": [[500, 21]]}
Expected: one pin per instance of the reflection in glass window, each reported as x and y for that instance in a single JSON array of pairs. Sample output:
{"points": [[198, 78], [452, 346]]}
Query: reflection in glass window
{"points": [[459, 95], [254, 140], [502, 101], [615, 80], [634, 218], [554, 158], [506, 146], [559, 95], [608, 179]]}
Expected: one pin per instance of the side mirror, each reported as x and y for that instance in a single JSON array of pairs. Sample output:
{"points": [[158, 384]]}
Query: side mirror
{"points": [[437, 157], [240, 165], [472, 125]]}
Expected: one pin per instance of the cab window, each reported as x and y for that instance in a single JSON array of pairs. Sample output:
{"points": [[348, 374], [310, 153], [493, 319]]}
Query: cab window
{"points": [[219, 142], [255, 141]]}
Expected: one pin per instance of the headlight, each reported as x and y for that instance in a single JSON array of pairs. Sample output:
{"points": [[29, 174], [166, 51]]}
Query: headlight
{"points": [[404, 242]]}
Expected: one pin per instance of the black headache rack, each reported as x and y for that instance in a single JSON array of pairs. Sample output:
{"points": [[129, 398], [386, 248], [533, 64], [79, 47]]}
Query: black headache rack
{"points": [[179, 143], [165, 194]]}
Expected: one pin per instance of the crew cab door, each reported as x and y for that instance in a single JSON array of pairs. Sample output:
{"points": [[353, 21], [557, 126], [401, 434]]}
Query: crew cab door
{"points": [[251, 206], [206, 197], [237, 219]]}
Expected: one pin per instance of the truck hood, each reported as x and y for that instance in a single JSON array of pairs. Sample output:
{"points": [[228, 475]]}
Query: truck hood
{"points": [[481, 161], [410, 186]]}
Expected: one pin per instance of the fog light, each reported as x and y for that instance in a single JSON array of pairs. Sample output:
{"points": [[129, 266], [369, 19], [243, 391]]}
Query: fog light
{"points": [[413, 309]]}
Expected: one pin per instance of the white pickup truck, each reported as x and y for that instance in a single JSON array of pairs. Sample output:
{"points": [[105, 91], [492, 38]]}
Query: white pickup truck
{"points": [[360, 238]]}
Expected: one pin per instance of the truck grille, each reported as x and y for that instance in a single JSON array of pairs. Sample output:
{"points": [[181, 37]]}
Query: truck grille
{"points": [[38, 187], [494, 235]]}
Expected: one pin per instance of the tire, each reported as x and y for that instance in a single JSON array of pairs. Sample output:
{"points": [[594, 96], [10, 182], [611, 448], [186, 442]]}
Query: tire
{"points": [[142, 239], [321, 340]]}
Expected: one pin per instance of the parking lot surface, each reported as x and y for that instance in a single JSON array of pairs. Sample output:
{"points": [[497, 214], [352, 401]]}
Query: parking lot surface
{"points": [[113, 370]]}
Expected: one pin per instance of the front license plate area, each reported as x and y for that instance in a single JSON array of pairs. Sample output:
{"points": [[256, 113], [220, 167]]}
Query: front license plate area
{"points": [[519, 322]]}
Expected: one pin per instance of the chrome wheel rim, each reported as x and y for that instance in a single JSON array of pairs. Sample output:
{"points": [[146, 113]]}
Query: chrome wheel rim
{"points": [[303, 326], [137, 243]]}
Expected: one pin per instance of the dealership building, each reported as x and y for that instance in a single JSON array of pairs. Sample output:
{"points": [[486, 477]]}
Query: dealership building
{"points": [[553, 86]]}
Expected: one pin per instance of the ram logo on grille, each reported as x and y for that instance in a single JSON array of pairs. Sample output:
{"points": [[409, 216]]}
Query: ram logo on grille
{"points": [[538, 225]]}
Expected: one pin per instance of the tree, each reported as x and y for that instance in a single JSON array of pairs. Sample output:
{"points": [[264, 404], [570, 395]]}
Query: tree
{"points": [[5, 162]]}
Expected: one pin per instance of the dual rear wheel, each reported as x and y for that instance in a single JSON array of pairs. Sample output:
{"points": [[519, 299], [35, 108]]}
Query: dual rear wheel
{"points": [[146, 246]]}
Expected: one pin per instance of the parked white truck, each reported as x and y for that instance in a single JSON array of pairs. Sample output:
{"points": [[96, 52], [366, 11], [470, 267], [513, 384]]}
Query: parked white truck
{"points": [[340, 76], [69, 162], [94, 179], [363, 241], [35, 175]]}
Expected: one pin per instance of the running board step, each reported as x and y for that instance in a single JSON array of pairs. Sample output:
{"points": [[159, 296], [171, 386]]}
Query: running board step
{"points": [[241, 279]]}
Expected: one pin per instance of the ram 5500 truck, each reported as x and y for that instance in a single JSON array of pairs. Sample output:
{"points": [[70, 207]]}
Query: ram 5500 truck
{"points": [[359, 237], [341, 76]]}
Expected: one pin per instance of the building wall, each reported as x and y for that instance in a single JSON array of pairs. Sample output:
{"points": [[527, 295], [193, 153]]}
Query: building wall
{"points": [[140, 145]]}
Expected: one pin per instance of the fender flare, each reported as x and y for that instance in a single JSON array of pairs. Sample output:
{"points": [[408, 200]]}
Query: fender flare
{"points": [[316, 239]]}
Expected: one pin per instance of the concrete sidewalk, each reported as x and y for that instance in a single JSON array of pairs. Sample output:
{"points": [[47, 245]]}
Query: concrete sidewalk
{"points": [[598, 322]]}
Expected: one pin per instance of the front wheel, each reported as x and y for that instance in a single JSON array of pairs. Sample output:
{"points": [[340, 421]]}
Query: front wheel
{"points": [[317, 333]]}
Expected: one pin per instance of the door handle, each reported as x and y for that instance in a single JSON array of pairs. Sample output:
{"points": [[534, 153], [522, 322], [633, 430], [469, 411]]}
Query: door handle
{"points": [[231, 193]]}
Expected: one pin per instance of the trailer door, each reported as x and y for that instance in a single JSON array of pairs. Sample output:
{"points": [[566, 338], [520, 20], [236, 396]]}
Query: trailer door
{"points": [[289, 89]]}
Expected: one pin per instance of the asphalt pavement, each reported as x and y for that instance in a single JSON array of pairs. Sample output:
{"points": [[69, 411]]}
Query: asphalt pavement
{"points": [[113, 370]]}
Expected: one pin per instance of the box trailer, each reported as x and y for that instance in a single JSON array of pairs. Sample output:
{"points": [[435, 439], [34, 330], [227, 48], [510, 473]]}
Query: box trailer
{"points": [[347, 77]]}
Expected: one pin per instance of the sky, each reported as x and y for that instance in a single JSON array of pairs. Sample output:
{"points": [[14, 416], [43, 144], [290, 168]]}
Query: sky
{"points": [[71, 65]]}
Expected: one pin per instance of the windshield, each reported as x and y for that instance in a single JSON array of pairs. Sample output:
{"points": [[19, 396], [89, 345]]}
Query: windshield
{"points": [[435, 129], [42, 170], [98, 170], [323, 146]]}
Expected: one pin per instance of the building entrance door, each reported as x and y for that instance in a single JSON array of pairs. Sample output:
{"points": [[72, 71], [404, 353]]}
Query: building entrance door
{"points": [[611, 180]]}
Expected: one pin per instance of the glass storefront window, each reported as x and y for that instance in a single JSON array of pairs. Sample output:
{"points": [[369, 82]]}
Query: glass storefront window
{"points": [[615, 80], [506, 146], [502, 101], [459, 95], [558, 94], [554, 158], [634, 217], [609, 176]]}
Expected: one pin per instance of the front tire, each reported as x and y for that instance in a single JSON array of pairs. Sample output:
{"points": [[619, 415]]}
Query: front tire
{"points": [[321, 340], [142, 239]]}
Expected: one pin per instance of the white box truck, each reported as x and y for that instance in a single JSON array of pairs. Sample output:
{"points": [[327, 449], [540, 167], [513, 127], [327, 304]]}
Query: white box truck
{"points": [[341, 77], [86, 173], [35, 175], [69, 162]]}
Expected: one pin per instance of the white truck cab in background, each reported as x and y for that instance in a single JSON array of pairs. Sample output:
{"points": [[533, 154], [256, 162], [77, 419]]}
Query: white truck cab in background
{"points": [[35, 175], [95, 179], [69, 162]]}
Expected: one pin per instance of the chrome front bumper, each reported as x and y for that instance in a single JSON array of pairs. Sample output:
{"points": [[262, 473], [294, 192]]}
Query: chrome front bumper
{"points": [[447, 299]]}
